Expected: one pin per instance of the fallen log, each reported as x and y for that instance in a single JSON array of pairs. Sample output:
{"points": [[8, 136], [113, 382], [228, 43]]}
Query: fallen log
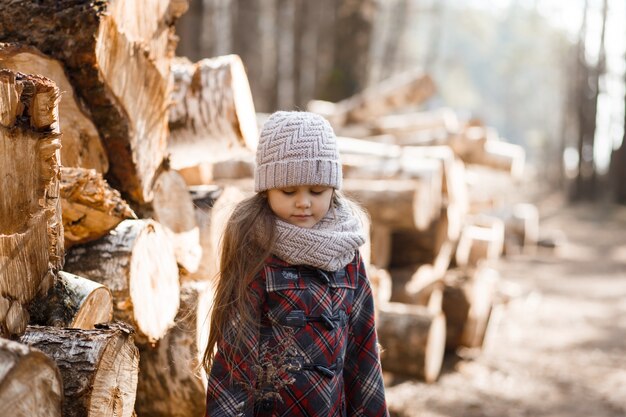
{"points": [[31, 233], [213, 115], [403, 90], [400, 125], [99, 367], [412, 339], [30, 382], [173, 208], [482, 240], [397, 204], [73, 302], [171, 383], [82, 146], [136, 262], [117, 55], [468, 298], [91, 208]]}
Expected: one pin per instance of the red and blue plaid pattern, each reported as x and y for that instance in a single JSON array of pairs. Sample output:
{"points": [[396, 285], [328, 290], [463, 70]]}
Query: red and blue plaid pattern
{"points": [[314, 353]]}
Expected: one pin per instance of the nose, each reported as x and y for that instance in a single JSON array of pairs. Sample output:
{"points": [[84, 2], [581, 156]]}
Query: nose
{"points": [[303, 201]]}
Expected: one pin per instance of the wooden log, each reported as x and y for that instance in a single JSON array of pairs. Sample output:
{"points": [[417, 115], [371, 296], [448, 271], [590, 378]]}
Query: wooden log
{"points": [[412, 340], [205, 173], [204, 197], [482, 240], [407, 89], [173, 208], [31, 233], [213, 115], [136, 262], [82, 146], [171, 383], [117, 55], [30, 382], [380, 238], [381, 284], [397, 204], [99, 367], [91, 208], [74, 302], [468, 299], [522, 227], [400, 125]]}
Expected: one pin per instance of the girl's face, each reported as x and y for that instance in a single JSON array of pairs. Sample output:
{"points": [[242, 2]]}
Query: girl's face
{"points": [[303, 205]]}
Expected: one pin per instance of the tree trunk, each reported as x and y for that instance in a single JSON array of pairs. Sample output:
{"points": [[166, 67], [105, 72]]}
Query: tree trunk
{"points": [[354, 21], [213, 116], [117, 55], [73, 302], [173, 208], [170, 381], [31, 233], [30, 385], [99, 367], [412, 339], [136, 262], [91, 208], [82, 146], [467, 304]]}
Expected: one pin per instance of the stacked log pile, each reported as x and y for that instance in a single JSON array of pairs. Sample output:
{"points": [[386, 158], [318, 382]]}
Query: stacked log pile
{"points": [[113, 206]]}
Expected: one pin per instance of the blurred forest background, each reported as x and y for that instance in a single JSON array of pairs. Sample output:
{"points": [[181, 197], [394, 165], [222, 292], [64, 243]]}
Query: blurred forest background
{"points": [[547, 74]]}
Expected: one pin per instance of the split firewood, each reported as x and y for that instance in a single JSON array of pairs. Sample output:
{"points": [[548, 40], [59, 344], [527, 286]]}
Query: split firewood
{"points": [[381, 284], [212, 218], [99, 367], [31, 233], [521, 228], [91, 208], [380, 238], [403, 90], [73, 302], [173, 208], [482, 240], [171, 382], [398, 203], [117, 54], [204, 173], [468, 298], [204, 197], [412, 339], [212, 117], [136, 262], [82, 146], [30, 382]]}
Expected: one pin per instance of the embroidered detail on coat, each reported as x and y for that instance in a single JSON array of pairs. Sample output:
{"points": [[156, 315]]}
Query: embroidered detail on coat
{"points": [[289, 275]]}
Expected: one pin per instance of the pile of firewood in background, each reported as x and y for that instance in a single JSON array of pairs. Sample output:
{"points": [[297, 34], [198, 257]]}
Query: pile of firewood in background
{"points": [[105, 285]]}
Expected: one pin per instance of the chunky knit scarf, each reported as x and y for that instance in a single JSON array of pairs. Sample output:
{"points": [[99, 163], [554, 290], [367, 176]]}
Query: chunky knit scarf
{"points": [[329, 245]]}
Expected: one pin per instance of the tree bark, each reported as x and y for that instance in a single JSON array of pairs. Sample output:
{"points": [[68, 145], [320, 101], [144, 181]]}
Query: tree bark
{"points": [[82, 146], [73, 302], [99, 367], [31, 233], [91, 208], [136, 262], [213, 115], [171, 383], [30, 382], [117, 55], [413, 340]]}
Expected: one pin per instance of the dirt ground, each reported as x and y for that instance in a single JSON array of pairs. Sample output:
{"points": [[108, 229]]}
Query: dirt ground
{"points": [[558, 348]]}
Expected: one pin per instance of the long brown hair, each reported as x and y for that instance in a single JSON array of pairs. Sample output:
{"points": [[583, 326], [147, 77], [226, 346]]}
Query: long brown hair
{"points": [[247, 242]]}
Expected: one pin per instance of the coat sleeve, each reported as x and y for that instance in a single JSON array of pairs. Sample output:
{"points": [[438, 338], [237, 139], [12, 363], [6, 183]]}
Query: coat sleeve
{"points": [[231, 387], [364, 388]]}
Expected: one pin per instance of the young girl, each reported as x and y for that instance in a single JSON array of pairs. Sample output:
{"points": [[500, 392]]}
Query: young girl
{"points": [[292, 328]]}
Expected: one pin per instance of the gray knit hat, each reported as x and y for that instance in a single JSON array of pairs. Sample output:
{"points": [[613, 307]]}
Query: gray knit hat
{"points": [[296, 148]]}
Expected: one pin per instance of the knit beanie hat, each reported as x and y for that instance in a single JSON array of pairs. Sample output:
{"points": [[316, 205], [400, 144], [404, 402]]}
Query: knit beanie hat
{"points": [[296, 148]]}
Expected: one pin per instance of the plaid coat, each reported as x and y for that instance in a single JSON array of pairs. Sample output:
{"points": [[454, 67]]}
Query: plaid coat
{"points": [[314, 354]]}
